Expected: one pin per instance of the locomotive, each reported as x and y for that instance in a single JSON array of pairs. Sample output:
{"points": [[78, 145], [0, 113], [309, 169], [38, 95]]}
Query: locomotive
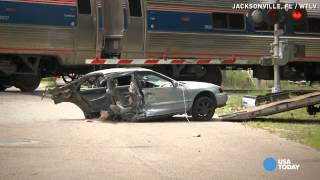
{"points": [[185, 39]]}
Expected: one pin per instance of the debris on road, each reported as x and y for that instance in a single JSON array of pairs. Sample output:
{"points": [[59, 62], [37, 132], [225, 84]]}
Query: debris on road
{"points": [[105, 116], [196, 135]]}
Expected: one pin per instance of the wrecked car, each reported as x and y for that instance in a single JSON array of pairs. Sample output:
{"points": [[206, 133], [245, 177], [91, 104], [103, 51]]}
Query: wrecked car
{"points": [[140, 94]]}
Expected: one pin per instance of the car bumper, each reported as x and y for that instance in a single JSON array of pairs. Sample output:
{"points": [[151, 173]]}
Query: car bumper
{"points": [[221, 99]]}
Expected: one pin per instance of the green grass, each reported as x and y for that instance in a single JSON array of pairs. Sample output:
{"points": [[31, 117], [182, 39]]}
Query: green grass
{"points": [[48, 82], [241, 79], [237, 79], [306, 133]]}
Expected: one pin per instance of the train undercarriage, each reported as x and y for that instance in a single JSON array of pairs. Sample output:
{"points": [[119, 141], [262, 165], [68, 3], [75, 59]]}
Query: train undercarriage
{"points": [[25, 72]]}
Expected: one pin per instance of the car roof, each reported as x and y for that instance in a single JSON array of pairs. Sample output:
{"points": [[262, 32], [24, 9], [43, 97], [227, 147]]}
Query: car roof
{"points": [[119, 70]]}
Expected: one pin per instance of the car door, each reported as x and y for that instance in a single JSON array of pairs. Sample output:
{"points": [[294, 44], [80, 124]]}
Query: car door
{"points": [[161, 97], [94, 95]]}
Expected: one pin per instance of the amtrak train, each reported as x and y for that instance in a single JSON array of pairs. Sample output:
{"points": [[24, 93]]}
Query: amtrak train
{"points": [[185, 39]]}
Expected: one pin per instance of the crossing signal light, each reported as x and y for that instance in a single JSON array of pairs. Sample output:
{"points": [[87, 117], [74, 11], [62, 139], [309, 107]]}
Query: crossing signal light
{"points": [[256, 17], [271, 17], [275, 16], [294, 16], [297, 16]]}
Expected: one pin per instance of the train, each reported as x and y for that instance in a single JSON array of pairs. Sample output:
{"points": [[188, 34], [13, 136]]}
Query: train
{"points": [[185, 39]]}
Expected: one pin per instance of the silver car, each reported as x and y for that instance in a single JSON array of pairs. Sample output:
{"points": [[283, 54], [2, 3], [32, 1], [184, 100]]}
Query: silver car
{"points": [[140, 94]]}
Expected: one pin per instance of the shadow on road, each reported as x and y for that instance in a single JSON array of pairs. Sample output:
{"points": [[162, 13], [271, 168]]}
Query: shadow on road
{"points": [[73, 120], [161, 120], [184, 120]]}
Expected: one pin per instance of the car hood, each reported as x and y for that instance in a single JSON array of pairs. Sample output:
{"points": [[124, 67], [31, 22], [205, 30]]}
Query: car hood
{"points": [[198, 85]]}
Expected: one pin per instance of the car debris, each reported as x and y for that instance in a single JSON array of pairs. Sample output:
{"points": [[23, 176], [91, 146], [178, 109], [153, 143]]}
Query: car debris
{"points": [[105, 116], [134, 94], [196, 135]]}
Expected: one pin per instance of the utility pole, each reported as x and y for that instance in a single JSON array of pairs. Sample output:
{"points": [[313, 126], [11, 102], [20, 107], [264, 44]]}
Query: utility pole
{"points": [[276, 53]]}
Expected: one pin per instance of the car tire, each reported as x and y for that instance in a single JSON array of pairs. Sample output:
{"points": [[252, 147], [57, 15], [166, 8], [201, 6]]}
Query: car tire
{"points": [[203, 109]]}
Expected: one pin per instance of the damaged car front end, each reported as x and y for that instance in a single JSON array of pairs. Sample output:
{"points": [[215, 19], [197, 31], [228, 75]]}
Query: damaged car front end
{"points": [[138, 94]]}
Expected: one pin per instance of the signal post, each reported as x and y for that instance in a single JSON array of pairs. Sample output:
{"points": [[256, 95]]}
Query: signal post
{"points": [[281, 51], [276, 82]]}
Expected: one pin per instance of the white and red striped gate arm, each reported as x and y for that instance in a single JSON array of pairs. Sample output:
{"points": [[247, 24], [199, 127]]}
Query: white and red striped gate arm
{"points": [[164, 61]]}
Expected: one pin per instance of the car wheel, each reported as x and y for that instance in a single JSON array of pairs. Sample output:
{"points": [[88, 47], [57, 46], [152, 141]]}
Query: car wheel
{"points": [[203, 109]]}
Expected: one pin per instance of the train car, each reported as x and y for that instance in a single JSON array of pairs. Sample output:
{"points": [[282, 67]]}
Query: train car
{"points": [[189, 40], [40, 38]]}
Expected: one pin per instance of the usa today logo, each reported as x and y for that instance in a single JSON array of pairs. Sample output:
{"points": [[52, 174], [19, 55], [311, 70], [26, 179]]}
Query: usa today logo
{"points": [[270, 164]]}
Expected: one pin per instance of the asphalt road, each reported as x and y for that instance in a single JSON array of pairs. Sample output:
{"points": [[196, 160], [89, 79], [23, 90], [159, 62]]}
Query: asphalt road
{"points": [[40, 140]]}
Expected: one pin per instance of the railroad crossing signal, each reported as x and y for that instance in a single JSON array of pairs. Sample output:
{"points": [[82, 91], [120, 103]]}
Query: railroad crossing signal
{"points": [[294, 16], [287, 52], [297, 16], [275, 16]]}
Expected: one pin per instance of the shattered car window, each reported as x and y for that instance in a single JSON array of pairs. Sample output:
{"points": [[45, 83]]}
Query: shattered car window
{"points": [[93, 82], [154, 81], [122, 81]]}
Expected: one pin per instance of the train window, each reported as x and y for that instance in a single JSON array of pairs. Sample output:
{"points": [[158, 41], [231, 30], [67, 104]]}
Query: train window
{"points": [[228, 21], [311, 26], [84, 6], [135, 8], [220, 20], [122, 81], [236, 21], [314, 25], [301, 28]]}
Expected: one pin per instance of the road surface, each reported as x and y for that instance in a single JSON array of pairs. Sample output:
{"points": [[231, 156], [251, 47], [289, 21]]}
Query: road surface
{"points": [[40, 140]]}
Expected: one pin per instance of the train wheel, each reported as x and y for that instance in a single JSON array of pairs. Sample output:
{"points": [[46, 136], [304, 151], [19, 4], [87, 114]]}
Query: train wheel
{"points": [[28, 82], [213, 75], [2, 88]]}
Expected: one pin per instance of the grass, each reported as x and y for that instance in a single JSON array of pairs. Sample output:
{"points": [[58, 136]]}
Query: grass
{"points": [[306, 133], [238, 79], [48, 82], [241, 79]]}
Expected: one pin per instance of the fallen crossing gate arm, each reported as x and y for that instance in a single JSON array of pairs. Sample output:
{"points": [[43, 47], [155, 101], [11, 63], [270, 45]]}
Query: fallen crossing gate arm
{"points": [[275, 107]]}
